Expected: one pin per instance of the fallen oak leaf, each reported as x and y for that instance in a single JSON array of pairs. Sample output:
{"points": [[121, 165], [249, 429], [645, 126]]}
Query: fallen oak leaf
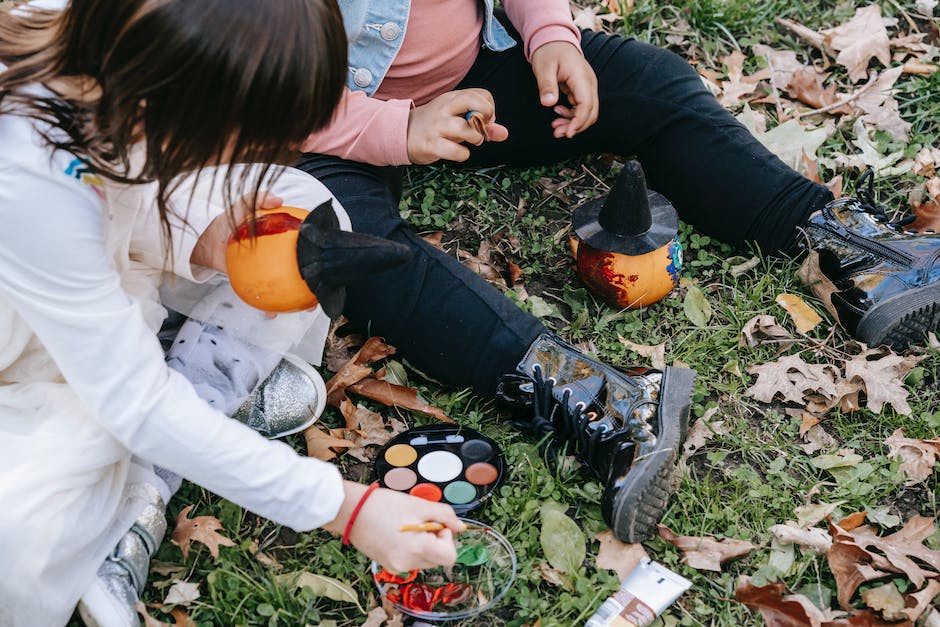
{"points": [[701, 432], [859, 40], [356, 369], [706, 553], [321, 443], [181, 618], [394, 395], [764, 329], [883, 378], [887, 600], [202, 529], [921, 599], [618, 556], [895, 551], [850, 564], [918, 457], [372, 430], [738, 85], [181, 593], [792, 610]]}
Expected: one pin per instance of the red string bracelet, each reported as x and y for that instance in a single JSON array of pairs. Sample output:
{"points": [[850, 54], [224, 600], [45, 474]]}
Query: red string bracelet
{"points": [[355, 513]]}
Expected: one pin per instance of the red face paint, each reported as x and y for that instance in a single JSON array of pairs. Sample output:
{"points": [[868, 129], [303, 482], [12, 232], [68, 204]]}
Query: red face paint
{"points": [[384, 576], [268, 224]]}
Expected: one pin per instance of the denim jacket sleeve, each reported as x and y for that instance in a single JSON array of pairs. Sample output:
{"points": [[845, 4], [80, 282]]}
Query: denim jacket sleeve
{"points": [[376, 28]]}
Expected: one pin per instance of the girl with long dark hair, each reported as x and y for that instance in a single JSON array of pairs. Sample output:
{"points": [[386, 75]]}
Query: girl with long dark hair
{"points": [[108, 110]]}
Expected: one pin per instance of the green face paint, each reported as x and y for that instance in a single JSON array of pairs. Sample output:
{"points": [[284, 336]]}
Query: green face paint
{"points": [[473, 555]]}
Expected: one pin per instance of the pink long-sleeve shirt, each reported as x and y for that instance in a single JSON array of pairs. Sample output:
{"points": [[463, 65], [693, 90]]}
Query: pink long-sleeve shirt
{"points": [[441, 43]]}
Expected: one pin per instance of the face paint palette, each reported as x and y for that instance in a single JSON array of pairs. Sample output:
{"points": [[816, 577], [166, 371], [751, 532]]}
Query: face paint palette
{"points": [[447, 463]]}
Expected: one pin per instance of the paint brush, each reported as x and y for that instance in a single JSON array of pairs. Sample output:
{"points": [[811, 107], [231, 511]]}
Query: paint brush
{"points": [[477, 121], [436, 526]]}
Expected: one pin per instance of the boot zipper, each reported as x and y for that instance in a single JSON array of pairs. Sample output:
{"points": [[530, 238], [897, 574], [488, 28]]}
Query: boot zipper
{"points": [[873, 247]]}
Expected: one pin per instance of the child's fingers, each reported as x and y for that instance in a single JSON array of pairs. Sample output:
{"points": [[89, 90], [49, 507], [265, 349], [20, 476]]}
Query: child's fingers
{"points": [[474, 99], [547, 81]]}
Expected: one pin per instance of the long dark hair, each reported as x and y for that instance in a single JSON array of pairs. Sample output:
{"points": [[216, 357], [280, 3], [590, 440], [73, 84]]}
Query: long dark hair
{"points": [[199, 82]]}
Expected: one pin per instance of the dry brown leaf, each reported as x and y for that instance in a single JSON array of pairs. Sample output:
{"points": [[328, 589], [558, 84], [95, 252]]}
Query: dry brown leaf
{"points": [[356, 369], [656, 354], [879, 106], [921, 599], [926, 162], [618, 556], [323, 444], [852, 521], [918, 457], [814, 538], [896, 550], [816, 439], [706, 553], [372, 430], [794, 380], [554, 577], [340, 349], [806, 85], [811, 275], [859, 40], [928, 212], [204, 529], [149, 621], [181, 618], [803, 316], [807, 422], [764, 329], [396, 396], [782, 64], [435, 239], [792, 610], [850, 564], [882, 378], [701, 432], [887, 600], [482, 264], [813, 513], [738, 85]]}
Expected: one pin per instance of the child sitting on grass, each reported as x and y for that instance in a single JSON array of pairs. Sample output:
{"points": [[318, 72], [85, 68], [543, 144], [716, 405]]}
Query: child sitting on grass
{"points": [[103, 106]]}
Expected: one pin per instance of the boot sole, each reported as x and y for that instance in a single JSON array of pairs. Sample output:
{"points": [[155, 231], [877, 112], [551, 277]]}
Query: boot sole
{"points": [[639, 505], [902, 320]]}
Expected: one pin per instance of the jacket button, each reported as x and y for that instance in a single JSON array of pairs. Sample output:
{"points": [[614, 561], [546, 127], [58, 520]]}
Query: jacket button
{"points": [[362, 77], [390, 31]]}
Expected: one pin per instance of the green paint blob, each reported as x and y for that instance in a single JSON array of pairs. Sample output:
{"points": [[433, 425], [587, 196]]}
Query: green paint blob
{"points": [[460, 492], [473, 555]]}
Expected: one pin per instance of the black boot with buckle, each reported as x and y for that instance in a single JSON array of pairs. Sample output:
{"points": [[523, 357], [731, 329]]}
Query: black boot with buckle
{"points": [[625, 427], [880, 281]]}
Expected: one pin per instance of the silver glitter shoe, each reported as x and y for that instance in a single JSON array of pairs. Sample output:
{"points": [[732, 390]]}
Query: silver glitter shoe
{"points": [[111, 599], [289, 400]]}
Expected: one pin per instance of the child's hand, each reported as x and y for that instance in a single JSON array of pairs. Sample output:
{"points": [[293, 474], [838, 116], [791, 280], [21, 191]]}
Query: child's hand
{"points": [[376, 533], [209, 250], [559, 65], [438, 130]]}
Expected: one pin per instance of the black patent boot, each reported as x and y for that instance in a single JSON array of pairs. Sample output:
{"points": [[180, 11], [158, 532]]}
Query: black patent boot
{"points": [[880, 281], [625, 427]]}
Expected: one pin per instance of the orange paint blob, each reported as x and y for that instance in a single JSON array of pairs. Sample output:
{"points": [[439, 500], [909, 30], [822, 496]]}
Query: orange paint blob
{"points": [[263, 268], [427, 491]]}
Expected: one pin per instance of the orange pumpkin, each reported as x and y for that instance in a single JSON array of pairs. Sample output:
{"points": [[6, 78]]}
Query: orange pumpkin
{"points": [[628, 281], [262, 265]]}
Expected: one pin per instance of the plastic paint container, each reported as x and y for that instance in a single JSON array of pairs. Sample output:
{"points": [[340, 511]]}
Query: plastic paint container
{"points": [[488, 581], [646, 592]]}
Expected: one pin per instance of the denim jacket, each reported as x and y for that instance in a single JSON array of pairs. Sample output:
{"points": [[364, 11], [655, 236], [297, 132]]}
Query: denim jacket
{"points": [[376, 28]]}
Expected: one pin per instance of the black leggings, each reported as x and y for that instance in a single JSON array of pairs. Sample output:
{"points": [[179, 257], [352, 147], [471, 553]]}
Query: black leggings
{"points": [[457, 328]]}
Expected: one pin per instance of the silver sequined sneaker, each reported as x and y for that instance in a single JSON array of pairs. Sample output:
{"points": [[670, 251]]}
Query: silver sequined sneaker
{"points": [[289, 400], [111, 599]]}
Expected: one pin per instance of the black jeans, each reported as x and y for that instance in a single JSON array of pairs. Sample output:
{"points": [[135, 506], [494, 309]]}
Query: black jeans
{"points": [[456, 327]]}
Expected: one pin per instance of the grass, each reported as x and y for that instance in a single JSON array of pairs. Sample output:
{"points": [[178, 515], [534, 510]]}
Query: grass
{"points": [[738, 485]]}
